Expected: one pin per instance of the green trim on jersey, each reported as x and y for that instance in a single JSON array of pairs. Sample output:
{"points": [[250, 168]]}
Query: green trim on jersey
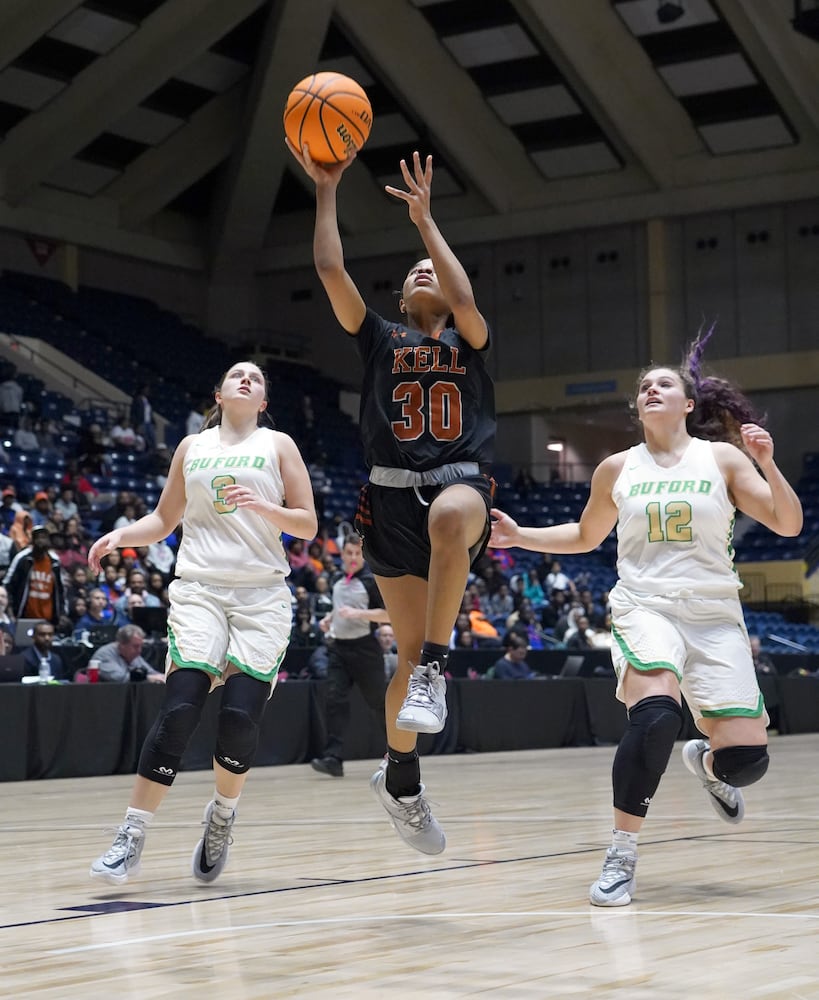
{"points": [[747, 713], [638, 664]]}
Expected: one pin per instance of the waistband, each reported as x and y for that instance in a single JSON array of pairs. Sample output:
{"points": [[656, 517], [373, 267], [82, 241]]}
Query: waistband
{"points": [[383, 475]]}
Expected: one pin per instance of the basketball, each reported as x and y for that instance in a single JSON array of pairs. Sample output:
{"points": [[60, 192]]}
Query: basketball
{"points": [[329, 112]]}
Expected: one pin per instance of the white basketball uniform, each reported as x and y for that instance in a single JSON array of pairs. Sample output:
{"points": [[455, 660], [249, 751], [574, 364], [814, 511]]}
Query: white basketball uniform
{"points": [[230, 604], [676, 605]]}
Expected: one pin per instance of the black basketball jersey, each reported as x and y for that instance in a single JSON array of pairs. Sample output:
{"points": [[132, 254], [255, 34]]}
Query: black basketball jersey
{"points": [[425, 401]]}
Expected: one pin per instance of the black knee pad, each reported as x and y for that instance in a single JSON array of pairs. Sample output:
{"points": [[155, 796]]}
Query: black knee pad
{"points": [[185, 694], [741, 766], [644, 751], [243, 703]]}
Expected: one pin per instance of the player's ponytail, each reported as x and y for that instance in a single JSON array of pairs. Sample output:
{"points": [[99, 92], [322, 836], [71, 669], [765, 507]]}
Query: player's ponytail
{"points": [[720, 408]]}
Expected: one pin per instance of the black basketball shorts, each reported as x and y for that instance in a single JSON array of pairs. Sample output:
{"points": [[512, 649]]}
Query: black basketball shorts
{"points": [[393, 525]]}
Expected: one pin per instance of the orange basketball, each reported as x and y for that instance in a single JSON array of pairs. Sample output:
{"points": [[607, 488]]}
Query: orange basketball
{"points": [[331, 113]]}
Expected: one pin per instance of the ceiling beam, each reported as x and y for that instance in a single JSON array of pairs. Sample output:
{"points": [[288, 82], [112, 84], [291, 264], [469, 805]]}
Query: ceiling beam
{"points": [[291, 45], [788, 61], [22, 23], [617, 202], [413, 62], [168, 39], [155, 178], [75, 219], [615, 79]]}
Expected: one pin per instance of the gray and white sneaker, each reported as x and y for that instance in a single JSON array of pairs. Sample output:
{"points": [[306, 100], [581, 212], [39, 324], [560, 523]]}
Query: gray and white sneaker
{"points": [[211, 854], [424, 708], [617, 883], [409, 816], [122, 859], [727, 801]]}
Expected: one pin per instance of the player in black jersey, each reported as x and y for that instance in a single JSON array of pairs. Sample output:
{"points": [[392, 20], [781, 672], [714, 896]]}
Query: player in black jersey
{"points": [[428, 422]]}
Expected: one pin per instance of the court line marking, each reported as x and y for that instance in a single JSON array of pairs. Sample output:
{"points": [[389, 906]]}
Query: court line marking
{"points": [[394, 917]]}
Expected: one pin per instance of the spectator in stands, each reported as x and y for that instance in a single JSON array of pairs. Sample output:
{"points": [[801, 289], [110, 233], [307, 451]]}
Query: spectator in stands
{"points": [[580, 638], [111, 582], [77, 479], [158, 586], [98, 612], [11, 398], [492, 576], [116, 510], [529, 626], [9, 507], [24, 437], [321, 600], [124, 613], [77, 583], [229, 620], [161, 558], [301, 572], [763, 664], [77, 607], [7, 551], [386, 640], [41, 512], [512, 666], [555, 611], [533, 589], [321, 482], [353, 655], [306, 634], [34, 580], [93, 450], [41, 651], [128, 516], [75, 552], [125, 438], [122, 661], [676, 609], [196, 418], [137, 584], [142, 417], [20, 530], [556, 579], [6, 618], [501, 603], [466, 639]]}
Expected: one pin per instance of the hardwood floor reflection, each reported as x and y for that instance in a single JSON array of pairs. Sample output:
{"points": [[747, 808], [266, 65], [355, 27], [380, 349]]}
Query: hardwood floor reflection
{"points": [[321, 899]]}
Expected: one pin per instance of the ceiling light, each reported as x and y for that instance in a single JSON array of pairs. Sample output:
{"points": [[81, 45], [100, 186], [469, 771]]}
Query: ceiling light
{"points": [[554, 446]]}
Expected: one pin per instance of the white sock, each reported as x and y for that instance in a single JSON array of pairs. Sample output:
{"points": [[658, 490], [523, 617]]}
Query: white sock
{"points": [[137, 817], [224, 806], [624, 841]]}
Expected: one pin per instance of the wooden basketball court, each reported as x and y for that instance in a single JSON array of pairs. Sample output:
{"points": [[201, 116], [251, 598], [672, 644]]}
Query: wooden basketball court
{"points": [[321, 899]]}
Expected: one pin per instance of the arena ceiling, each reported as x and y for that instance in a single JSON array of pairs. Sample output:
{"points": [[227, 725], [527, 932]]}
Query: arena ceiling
{"points": [[153, 127]]}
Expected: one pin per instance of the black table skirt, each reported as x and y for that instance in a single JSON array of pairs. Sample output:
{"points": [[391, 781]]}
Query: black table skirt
{"points": [[60, 731]]}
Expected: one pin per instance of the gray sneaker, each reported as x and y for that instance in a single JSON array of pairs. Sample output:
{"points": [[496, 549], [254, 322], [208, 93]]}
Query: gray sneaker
{"points": [[121, 860], [424, 708], [409, 815], [617, 883], [726, 800], [211, 853]]}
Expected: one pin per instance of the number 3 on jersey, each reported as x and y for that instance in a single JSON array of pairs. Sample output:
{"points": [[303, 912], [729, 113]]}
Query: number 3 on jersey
{"points": [[443, 411], [219, 483]]}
